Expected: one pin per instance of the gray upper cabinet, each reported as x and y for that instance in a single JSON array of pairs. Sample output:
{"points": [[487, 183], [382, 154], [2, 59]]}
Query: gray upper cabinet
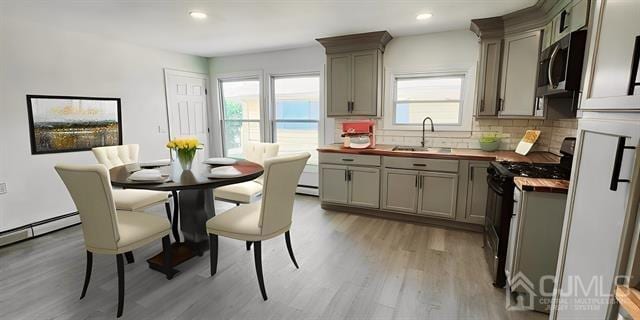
{"points": [[338, 84], [609, 82], [438, 194], [354, 74], [519, 74], [489, 75]]}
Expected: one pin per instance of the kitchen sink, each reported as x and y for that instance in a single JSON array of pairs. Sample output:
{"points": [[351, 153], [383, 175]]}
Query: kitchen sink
{"points": [[421, 149]]}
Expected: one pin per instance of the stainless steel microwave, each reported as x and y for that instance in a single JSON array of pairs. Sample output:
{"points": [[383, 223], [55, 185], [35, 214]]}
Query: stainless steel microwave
{"points": [[560, 65]]}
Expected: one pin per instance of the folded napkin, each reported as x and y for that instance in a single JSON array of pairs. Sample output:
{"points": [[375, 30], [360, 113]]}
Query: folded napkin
{"points": [[156, 163], [224, 172], [220, 161], [146, 175]]}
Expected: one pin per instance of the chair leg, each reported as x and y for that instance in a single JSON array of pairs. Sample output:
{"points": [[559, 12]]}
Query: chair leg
{"points": [[129, 256], [176, 216], [248, 245], [257, 248], [167, 209], [287, 239], [120, 263], [87, 274], [213, 253], [166, 253], [237, 204]]}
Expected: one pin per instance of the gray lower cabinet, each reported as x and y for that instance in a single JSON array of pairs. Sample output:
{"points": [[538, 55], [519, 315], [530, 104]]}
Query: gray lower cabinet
{"points": [[364, 187], [400, 190], [477, 189], [334, 184], [350, 185], [438, 192]]}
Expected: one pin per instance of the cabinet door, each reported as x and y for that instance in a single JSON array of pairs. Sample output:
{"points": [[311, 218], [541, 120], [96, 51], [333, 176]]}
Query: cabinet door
{"points": [[333, 184], [579, 15], [598, 225], [477, 192], [519, 74], [400, 190], [364, 187], [438, 194], [613, 35], [547, 35], [364, 82], [338, 84], [489, 76], [562, 24]]}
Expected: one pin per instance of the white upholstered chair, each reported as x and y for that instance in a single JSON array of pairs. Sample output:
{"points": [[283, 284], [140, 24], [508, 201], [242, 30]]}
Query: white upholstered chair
{"points": [[107, 230], [130, 199], [263, 220], [250, 191]]}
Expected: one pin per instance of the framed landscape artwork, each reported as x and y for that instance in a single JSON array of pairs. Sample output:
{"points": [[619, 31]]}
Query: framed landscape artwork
{"points": [[67, 124]]}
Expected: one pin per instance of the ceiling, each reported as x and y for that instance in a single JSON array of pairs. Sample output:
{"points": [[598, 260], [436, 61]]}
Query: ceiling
{"points": [[244, 26]]}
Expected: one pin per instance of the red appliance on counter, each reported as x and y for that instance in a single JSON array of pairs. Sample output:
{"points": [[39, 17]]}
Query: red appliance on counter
{"points": [[359, 134]]}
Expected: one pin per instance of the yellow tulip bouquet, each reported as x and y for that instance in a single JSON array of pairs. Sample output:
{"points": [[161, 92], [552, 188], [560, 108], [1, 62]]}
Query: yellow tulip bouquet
{"points": [[185, 149]]}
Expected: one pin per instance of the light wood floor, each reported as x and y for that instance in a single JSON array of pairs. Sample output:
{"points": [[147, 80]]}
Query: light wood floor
{"points": [[351, 267]]}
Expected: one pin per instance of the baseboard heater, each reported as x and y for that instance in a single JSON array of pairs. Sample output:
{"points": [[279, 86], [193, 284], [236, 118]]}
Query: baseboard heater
{"points": [[307, 190], [39, 228]]}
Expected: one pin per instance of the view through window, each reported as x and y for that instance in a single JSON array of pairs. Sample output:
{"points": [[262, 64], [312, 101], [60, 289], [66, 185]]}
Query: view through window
{"points": [[438, 97], [296, 116], [241, 114]]}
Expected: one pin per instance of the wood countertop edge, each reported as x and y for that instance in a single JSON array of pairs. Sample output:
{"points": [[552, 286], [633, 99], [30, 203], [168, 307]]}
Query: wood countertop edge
{"points": [[541, 185], [456, 154], [629, 299]]}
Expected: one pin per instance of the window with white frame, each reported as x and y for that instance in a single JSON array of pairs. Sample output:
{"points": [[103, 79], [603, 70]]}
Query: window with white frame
{"points": [[241, 114], [296, 114], [435, 96]]}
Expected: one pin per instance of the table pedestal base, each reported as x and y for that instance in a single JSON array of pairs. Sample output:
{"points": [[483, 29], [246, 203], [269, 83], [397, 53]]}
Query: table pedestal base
{"points": [[196, 207]]}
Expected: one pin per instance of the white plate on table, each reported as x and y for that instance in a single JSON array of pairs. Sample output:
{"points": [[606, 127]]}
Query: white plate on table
{"points": [[224, 172], [219, 161]]}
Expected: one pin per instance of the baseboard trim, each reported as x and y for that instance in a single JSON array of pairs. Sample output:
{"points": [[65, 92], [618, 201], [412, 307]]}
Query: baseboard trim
{"points": [[38, 228], [405, 217]]}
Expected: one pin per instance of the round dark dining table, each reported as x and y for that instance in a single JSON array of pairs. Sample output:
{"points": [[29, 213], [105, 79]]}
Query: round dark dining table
{"points": [[193, 200]]}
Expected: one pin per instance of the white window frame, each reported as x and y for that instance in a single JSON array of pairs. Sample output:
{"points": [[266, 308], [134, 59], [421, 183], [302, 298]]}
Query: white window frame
{"points": [[466, 97], [240, 77]]}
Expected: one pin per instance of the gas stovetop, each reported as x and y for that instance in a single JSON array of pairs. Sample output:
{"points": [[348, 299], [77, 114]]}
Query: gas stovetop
{"points": [[532, 170]]}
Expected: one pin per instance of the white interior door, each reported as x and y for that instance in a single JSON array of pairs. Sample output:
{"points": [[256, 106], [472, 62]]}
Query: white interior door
{"points": [[187, 106]]}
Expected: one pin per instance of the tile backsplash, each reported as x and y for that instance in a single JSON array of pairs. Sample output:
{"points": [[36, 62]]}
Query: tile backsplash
{"points": [[511, 131]]}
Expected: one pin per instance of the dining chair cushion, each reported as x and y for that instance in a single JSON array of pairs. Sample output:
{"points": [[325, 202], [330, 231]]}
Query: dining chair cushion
{"points": [[241, 223], [137, 229], [113, 156], [132, 199], [244, 192]]}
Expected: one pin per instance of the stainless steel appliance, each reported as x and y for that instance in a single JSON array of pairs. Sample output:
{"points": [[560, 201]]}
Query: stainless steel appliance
{"points": [[560, 65], [500, 202]]}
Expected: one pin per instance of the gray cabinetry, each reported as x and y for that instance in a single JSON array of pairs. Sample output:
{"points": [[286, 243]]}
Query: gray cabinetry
{"points": [[400, 190], [437, 194], [349, 179], [477, 189], [334, 184], [364, 186], [519, 74], [488, 77], [354, 74]]}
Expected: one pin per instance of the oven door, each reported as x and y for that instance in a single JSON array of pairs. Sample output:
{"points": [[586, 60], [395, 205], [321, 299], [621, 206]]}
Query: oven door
{"points": [[492, 227]]}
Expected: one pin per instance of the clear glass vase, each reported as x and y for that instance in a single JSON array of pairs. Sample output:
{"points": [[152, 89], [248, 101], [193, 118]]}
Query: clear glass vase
{"points": [[186, 158]]}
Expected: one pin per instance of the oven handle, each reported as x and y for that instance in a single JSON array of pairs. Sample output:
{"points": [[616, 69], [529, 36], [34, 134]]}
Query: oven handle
{"points": [[552, 61]]}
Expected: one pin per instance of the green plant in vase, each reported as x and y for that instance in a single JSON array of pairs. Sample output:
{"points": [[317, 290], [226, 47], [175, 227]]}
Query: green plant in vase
{"points": [[185, 149], [489, 141]]}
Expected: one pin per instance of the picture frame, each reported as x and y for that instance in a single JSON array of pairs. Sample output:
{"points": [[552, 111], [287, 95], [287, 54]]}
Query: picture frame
{"points": [[60, 124]]}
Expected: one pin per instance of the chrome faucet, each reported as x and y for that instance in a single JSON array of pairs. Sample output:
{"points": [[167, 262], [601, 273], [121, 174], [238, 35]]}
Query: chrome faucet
{"points": [[423, 122]]}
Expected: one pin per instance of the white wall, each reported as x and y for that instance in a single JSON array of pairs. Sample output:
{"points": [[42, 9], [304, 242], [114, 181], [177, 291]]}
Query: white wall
{"points": [[38, 59]]}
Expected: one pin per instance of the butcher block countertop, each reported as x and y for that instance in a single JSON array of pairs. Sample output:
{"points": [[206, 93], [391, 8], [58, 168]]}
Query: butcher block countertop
{"points": [[541, 185], [455, 154]]}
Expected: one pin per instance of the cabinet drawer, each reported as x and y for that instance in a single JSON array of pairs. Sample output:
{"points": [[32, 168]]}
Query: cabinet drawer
{"points": [[421, 164], [350, 159]]}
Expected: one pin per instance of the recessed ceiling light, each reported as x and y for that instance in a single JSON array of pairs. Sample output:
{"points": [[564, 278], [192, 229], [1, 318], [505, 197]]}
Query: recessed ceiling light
{"points": [[424, 16], [197, 15]]}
